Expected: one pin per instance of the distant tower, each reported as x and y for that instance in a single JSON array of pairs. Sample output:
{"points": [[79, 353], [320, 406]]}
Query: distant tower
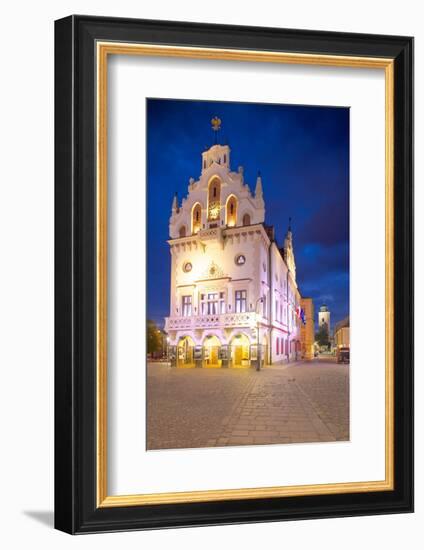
{"points": [[324, 318]]}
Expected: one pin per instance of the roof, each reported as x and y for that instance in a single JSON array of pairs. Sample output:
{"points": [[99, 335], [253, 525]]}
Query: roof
{"points": [[342, 324]]}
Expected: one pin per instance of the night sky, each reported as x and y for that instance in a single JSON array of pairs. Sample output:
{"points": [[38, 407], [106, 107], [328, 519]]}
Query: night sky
{"points": [[303, 156]]}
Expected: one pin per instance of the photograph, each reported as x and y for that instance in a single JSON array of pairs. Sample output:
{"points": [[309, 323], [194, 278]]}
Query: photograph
{"points": [[233, 212], [247, 259]]}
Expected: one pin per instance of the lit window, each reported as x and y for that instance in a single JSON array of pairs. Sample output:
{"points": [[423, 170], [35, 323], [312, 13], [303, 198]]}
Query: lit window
{"points": [[241, 301], [186, 306]]}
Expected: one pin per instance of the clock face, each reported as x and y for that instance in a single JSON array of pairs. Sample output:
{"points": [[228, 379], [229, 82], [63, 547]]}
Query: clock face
{"points": [[240, 259], [187, 267]]}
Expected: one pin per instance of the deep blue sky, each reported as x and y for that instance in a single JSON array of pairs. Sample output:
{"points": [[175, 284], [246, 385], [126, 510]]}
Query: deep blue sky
{"points": [[303, 156]]}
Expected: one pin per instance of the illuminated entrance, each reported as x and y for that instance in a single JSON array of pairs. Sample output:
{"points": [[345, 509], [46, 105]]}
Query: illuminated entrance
{"points": [[211, 345], [185, 352], [240, 351]]}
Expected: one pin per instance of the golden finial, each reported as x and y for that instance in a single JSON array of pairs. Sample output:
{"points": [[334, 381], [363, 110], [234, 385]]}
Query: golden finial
{"points": [[216, 123]]}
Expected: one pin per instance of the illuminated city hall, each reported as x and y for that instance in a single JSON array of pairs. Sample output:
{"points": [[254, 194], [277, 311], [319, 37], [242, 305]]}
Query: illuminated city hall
{"points": [[234, 301]]}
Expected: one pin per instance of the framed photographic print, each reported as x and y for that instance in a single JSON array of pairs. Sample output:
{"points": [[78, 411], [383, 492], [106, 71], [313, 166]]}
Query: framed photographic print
{"points": [[234, 274]]}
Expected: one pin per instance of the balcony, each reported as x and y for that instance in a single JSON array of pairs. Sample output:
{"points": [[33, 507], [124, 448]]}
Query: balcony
{"points": [[226, 320]]}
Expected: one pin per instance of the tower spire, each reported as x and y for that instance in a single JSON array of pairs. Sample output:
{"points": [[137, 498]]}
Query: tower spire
{"points": [[288, 250], [259, 198], [258, 188], [175, 204]]}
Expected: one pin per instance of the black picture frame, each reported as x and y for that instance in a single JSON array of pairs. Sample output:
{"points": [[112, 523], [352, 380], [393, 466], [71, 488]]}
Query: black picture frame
{"points": [[76, 510]]}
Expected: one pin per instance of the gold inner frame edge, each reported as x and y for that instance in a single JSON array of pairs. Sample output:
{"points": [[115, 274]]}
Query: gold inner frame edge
{"points": [[103, 49]]}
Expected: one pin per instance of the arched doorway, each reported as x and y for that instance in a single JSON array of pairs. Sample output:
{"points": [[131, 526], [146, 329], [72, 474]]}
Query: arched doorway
{"points": [[246, 219], [211, 345], [240, 351], [185, 348], [182, 231], [231, 214], [196, 218], [214, 199]]}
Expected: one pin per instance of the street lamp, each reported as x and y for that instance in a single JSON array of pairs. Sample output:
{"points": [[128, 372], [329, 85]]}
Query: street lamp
{"points": [[258, 352]]}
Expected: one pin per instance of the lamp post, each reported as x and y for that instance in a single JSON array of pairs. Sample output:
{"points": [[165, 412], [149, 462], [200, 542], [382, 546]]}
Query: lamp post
{"points": [[258, 352]]}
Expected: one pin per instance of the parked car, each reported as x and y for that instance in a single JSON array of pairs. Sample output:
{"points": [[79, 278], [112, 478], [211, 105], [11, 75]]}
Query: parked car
{"points": [[343, 355]]}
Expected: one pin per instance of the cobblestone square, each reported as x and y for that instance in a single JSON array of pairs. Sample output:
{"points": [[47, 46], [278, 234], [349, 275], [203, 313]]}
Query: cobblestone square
{"points": [[298, 403]]}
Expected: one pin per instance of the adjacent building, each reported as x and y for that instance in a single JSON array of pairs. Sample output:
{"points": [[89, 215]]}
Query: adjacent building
{"points": [[233, 290], [307, 333], [342, 334]]}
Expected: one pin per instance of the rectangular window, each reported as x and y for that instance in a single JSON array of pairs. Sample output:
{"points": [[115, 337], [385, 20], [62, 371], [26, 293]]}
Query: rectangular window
{"points": [[276, 309], [213, 303], [264, 307], [186, 306], [278, 346], [222, 302], [241, 299]]}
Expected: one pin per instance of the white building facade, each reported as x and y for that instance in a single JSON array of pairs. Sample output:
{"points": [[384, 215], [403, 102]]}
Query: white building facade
{"points": [[231, 286]]}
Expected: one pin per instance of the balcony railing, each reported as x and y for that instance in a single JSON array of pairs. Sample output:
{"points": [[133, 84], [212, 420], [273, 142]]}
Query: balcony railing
{"points": [[247, 319]]}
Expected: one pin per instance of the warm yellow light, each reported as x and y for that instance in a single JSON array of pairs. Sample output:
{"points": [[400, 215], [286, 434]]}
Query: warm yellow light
{"points": [[213, 213]]}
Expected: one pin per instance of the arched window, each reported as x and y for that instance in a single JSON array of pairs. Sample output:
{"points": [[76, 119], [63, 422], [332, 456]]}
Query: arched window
{"points": [[232, 211], [214, 199], [183, 231], [246, 219], [196, 221]]}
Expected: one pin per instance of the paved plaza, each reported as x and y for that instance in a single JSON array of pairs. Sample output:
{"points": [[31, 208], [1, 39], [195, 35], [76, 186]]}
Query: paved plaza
{"points": [[302, 402]]}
